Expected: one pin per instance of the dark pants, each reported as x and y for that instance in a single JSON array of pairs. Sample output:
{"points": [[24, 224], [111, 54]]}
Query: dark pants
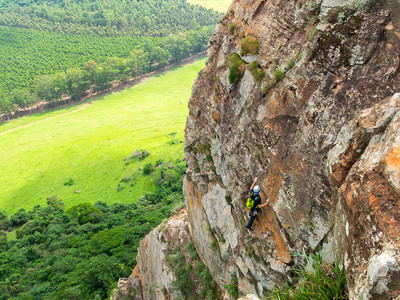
{"points": [[253, 215]]}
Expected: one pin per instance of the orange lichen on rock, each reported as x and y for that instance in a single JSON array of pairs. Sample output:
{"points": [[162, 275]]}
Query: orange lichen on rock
{"points": [[392, 159], [267, 220], [135, 272], [386, 205], [273, 183], [144, 241]]}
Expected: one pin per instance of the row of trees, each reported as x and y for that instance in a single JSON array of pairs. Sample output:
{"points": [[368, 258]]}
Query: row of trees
{"points": [[74, 82], [79, 253], [106, 17]]}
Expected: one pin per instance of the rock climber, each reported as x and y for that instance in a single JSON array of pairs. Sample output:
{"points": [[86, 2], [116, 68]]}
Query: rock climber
{"points": [[254, 195]]}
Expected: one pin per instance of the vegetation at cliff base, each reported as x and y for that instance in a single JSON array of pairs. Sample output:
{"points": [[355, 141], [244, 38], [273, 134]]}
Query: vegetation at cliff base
{"points": [[193, 280], [92, 144], [80, 253], [317, 280]]}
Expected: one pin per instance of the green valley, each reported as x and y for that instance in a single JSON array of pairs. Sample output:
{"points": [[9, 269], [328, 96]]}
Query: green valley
{"points": [[77, 153], [58, 51]]}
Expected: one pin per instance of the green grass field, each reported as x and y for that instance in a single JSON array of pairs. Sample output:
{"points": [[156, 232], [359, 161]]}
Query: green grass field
{"points": [[219, 5], [89, 145]]}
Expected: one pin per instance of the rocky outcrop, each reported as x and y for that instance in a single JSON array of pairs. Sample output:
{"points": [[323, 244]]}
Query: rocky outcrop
{"points": [[152, 277], [303, 95], [364, 167], [319, 129]]}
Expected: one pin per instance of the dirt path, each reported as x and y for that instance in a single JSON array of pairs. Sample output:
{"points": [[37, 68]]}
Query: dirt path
{"points": [[49, 118], [116, 88]]}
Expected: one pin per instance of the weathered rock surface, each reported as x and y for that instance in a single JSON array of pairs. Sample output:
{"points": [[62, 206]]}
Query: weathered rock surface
{"points": [[367, 214], [320, 131], [152, 276]]}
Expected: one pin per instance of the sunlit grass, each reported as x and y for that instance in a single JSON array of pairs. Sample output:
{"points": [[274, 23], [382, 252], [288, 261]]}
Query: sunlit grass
{"points": [[219, 5], [88, 146]]}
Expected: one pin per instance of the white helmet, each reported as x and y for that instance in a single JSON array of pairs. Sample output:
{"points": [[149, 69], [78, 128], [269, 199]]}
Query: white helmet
{"points": [[256, 189]]}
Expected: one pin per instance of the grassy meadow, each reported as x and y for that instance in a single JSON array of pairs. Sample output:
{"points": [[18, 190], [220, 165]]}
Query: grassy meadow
{"points": [[219, 5], [86, 144]]}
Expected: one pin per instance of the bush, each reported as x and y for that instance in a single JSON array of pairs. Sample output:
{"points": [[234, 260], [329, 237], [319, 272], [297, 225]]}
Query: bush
{"points": [[323, 281], [278, 75], [19, 218], [84, 213], [249, 45], [232, 288], [232, 28], [192, 250], [69, 182], [140, 154], [257, 72], [237, 67], [148, 169], [4, 221]]}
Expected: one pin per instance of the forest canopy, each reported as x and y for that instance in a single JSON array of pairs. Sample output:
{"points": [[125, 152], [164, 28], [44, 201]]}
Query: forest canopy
{"points": [[155, 18], [122, 38], [80, 252]]}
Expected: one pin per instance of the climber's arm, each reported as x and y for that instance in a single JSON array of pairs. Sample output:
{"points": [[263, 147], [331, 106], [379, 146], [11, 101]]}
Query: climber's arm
{"points": [[255, 180], [262, 205]]}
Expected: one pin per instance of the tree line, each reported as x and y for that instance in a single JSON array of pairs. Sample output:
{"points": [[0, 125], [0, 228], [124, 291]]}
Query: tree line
{"points": [[154, 18], [79, 252], [58, 37], [73, 83]]}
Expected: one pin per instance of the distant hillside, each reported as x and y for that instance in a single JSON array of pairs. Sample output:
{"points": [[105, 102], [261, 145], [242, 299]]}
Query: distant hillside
{"points": [[107, 18], [53, 37]]}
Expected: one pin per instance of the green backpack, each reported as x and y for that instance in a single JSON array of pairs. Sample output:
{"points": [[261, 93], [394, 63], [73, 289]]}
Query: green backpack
{"points": [[250, 201]]}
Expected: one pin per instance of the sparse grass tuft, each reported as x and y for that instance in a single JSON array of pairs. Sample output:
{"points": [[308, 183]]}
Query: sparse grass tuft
{"points": [[277, 75], [311, 34], [249, 45], [290, 63], [256, 70], [192, 250], [188, 279], [232, 28], [237, 67], [323, 281], [232, 288]]}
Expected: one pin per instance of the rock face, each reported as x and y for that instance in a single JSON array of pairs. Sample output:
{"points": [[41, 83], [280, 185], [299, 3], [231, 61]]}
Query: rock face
{"points": [[152, 276], [321, 132]]}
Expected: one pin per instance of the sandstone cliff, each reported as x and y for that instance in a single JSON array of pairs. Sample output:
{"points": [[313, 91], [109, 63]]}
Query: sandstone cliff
{"points": [[321, 132], [311, 109]]}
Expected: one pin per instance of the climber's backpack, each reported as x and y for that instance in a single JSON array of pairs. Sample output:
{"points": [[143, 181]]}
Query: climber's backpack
{"points": [[250, 201]]}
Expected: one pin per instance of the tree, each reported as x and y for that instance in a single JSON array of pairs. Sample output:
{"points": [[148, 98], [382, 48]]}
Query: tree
{"points": [[5, 105], [19, 218], [117, 68], [55, 203], [4, 221], [51, 87], [90, 69], [76, 84], [139, 62], [84, 213], [23, 98], [160, 56]]}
